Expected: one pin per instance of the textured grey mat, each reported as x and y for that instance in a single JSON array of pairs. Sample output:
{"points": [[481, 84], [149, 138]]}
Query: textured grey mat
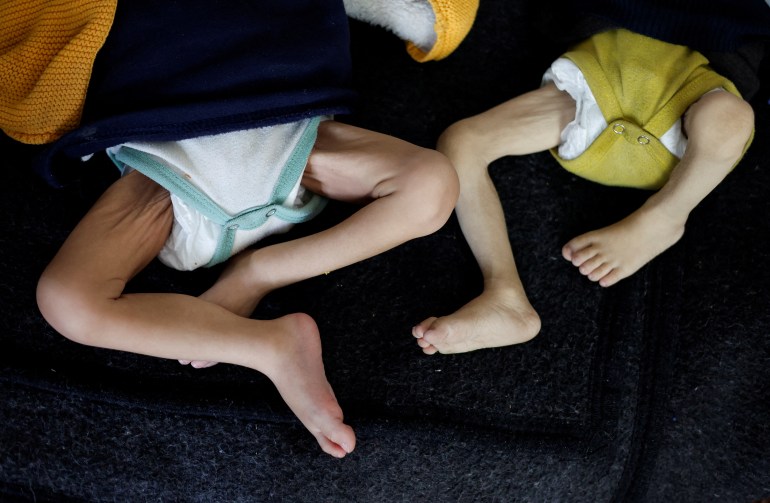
{"points": [[653, 390]]}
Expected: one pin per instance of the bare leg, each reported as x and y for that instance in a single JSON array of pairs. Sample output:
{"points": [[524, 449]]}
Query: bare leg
{"points": [[408, 192], [222, 297], [718, 127], [502, 314], [81, 294]]}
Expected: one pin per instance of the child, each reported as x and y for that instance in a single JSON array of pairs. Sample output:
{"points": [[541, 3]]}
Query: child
{"points": [[621, 109], [257, 84], [81, 292]]}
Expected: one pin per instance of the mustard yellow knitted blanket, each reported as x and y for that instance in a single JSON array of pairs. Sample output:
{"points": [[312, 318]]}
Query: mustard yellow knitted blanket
{"points": [[454, 19], [47, 50]]}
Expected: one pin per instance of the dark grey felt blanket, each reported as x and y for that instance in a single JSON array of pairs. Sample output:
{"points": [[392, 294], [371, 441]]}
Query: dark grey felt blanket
{"points": [[653, 390]]}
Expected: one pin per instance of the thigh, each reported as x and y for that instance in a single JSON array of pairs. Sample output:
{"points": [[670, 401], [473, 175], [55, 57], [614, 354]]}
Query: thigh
{"points": [[118, 237], [529, 123], [352, 164]]}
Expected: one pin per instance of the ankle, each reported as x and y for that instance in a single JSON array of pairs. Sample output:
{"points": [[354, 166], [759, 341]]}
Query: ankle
{"points": [[285, 337], [663, 211], [507, 292], [504, 285], [510, 296]]}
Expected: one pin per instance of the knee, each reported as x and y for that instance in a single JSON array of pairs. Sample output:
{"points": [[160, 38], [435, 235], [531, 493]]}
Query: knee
{"points": [[469, 149], [736, 118], [434, 188], [67, 307], [723, 122], [460, 138]]}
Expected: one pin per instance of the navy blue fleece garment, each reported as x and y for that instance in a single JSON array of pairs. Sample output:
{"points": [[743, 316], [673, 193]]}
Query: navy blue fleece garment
{"points": [[732, 34], [180, 69], [704, 25]]}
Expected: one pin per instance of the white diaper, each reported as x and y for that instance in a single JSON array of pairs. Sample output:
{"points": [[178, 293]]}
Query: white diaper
{"points": [[229, 190], [589, 121]]}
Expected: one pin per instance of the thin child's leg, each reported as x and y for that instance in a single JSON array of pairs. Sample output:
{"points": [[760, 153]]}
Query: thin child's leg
{"points": [[406, 192], [718, 127], [81, 295], [502, 314]]}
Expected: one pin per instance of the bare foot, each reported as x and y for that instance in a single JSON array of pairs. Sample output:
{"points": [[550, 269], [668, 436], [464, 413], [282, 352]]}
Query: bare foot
{"points": [[297, 371], [234, 293], [615, 252], [497, 317]]}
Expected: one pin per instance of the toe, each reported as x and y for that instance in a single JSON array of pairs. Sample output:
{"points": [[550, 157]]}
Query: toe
{"points": [[423, 343], [579, 257], [574, 246], [331, 448], [426, 347], [419, 330], [590, 265], [599, 272], [611, 278], [430, 350], [198, 364], [340, 440], [345, 439]]}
